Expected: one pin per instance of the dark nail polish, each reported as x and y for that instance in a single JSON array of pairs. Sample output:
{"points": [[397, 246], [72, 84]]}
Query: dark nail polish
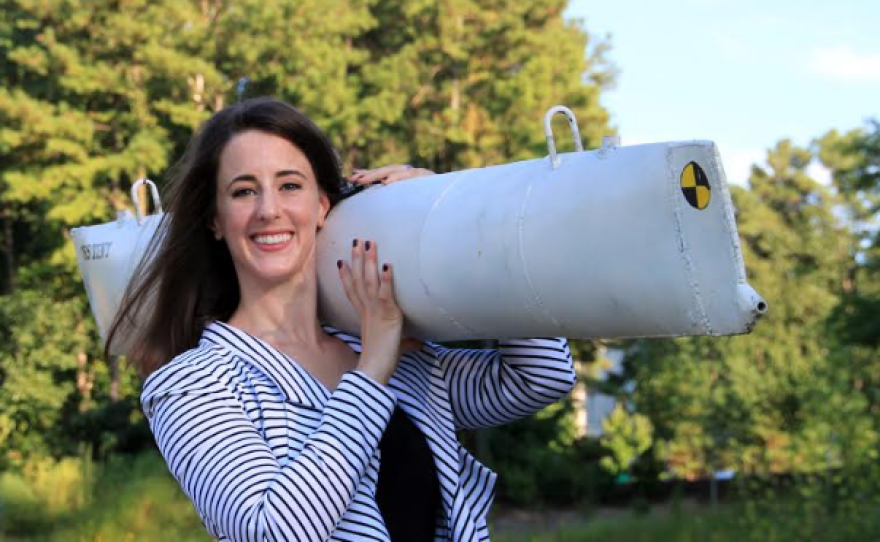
{"points": [[339, 264], [367, 245], [385, 267], [376, 182], [354, 243]]}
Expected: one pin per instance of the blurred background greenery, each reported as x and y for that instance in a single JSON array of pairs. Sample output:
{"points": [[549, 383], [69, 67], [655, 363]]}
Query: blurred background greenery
{"points": [[97, 94]]}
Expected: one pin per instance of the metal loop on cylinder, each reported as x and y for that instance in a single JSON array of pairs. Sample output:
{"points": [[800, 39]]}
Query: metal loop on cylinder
{"points": [[157, 203], [548, 131]]}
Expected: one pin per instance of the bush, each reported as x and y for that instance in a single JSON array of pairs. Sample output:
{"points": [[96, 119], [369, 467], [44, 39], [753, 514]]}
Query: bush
{"points": [[125, 498], [42, 492]]}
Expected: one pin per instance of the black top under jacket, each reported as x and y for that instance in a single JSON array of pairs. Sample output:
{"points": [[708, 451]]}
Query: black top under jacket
{"points": [[408, 492]]}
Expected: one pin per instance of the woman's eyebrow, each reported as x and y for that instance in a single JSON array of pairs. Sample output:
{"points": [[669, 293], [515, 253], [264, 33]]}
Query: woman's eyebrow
{"points": [[252, 177], [242, 177], [286, 172]]}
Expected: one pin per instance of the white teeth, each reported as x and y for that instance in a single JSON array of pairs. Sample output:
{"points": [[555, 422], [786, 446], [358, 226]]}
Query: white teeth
{"points": [[273, 239]]}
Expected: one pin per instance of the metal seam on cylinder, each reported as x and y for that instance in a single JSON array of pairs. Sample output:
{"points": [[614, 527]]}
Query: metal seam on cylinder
{"points": [[536, 297], [454, 321], [673, 191]]}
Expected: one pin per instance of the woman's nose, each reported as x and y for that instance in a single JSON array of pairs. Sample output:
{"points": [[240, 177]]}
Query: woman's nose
{"points": [[269, 205]]}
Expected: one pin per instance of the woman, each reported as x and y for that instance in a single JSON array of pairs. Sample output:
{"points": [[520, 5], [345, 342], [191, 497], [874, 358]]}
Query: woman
{"points": [[279, 428]]}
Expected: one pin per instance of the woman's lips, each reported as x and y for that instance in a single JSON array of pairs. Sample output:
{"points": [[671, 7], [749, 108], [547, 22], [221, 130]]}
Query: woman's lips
{"points": [[271, 242]]}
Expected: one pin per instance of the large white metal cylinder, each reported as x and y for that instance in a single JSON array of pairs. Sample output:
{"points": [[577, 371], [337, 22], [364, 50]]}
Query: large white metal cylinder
{"points": [[635, 241]]}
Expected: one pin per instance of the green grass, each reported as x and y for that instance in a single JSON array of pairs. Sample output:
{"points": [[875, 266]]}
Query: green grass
{"points": [[780, 521], [127, 499], [135, 499]]}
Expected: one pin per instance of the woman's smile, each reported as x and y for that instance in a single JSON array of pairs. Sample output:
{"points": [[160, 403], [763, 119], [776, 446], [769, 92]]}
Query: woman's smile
{"points": [[272, 242]]}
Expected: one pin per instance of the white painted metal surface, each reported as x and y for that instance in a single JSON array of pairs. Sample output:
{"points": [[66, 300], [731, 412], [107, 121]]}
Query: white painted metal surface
{"points": [[606, 244]]}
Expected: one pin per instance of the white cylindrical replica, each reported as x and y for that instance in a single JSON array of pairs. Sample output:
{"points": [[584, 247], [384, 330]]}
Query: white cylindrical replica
{"points": [[107, 255], [618, 242]]}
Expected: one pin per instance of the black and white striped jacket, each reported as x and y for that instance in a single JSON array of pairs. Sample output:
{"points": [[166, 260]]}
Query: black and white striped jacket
{"points": [[265, 452]]}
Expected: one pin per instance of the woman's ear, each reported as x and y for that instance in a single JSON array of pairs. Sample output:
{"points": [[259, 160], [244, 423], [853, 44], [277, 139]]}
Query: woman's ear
{"points": [[215, 229], [324, 207]]}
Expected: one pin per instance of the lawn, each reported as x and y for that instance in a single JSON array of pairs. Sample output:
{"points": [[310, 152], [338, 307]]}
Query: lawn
{"points": [[136, 499]]}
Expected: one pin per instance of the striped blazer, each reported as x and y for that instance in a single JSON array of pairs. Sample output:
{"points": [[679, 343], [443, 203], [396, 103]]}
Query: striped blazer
{"points": [[265, 452]]}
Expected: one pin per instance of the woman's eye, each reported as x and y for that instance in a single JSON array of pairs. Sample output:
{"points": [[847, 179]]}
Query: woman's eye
{"points": [[291, 186], [241, 192]]}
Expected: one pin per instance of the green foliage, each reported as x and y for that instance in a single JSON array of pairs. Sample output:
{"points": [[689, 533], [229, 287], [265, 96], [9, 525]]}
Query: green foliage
{"points": [[626, 435], [536, 456], [131, 498], [38, 365], [43, 491], [854, 159]]}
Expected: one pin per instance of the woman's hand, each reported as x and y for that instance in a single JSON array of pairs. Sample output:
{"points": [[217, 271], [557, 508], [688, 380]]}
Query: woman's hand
{"points": [[371, 292], [387, 174]]}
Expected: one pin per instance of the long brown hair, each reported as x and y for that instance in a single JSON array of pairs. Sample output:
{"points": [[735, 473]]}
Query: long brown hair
{"points": [[187, 278]]}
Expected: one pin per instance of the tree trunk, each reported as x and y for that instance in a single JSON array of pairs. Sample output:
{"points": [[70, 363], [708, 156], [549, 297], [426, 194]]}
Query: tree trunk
{"points": [[84, 381], [8, 249]]}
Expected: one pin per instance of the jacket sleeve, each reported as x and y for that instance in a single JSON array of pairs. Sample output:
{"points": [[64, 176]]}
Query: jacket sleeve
{"points": [[231, 475], [493, 387]]}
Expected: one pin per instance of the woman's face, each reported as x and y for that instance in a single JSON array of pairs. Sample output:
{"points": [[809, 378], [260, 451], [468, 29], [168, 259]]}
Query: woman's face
{"points": [[269, 208]]}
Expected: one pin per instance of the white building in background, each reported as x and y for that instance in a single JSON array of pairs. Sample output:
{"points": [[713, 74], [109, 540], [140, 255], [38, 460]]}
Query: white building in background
{"points": [[590, 406]]}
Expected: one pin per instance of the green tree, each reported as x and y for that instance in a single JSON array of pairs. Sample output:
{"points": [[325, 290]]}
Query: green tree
{"points": [[626, 435], [854, 160], [465, 84], [771, 401], [92, 98]]}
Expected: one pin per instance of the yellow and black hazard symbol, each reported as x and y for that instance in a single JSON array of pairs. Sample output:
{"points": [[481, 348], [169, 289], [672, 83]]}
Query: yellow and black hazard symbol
{"points": [[695, 186]]}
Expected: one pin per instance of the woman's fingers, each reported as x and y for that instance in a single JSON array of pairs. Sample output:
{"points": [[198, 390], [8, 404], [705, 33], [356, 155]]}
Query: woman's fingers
{"points": [[357, 270], [386, 285], [369, 176], [371, 271], [348, 285], [388, 174], [406, 174], [364, 283]]}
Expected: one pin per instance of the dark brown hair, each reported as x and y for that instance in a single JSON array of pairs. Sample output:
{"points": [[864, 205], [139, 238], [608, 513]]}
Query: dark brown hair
{"points": [[187, 278]]}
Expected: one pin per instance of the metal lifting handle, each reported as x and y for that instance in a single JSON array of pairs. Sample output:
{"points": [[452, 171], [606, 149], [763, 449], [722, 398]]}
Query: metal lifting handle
{"points": [[157, 203], [548, 131]]}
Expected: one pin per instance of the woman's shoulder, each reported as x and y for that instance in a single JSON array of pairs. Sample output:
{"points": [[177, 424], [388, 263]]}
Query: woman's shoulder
{"points": [[198, 369]]}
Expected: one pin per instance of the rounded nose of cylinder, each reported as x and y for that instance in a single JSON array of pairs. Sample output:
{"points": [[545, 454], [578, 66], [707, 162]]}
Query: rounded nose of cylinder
{"points": [[750, 302]]}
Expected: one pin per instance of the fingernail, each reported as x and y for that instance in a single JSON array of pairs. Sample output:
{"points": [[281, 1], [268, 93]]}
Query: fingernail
{"points": [[339, 264], [367, 245], [376, 182], [354, 243], [384, 267]]}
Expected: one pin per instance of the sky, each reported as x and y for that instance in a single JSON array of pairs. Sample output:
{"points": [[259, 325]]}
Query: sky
{"points": [[743, 73]]}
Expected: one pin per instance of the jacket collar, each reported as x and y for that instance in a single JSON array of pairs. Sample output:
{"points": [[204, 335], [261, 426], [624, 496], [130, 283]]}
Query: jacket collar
{"points": [[295, 384]]}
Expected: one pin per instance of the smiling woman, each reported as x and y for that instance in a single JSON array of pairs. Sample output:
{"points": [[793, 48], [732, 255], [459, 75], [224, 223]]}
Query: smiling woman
{"points": [[276, 426], [269, 208]]}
